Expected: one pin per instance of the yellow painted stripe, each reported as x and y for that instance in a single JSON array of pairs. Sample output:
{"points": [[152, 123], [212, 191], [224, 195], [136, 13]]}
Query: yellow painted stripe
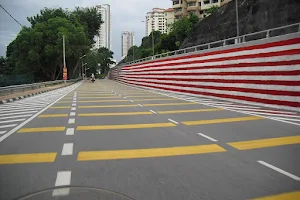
{"points": [[53, 115], [225, 120], [188, 111], [41, 129], [124, 126], [113, 114], [283, 196], [60, 107], [109, 106], [263, 143], [135, 93], [27, 158], [168, 104], [144, 96], [149, 153], [98, 101], [164, 99], [112, 97]]}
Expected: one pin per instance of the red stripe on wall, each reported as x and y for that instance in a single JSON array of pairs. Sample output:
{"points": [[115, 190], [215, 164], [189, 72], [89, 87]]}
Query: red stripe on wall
{"points": [[261, 46], [260, 82], [243, 73], [236, 89], [236, 97], [260, 55], [239, 65]]}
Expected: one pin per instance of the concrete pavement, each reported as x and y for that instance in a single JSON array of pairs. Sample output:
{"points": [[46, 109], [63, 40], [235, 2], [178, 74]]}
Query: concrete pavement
{"points": [[153, 145]]}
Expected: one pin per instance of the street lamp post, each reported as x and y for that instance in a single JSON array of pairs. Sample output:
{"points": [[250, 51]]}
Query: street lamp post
{"points": [[64, 55], [237, 19], [84, 68], [82, 64]]}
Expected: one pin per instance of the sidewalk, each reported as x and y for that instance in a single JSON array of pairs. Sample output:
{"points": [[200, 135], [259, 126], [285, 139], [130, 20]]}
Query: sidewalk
{"points": [[29, 93]]}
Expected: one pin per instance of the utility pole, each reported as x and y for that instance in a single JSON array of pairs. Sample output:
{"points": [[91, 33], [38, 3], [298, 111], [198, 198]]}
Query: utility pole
{"points": [[152, 44], [64, 55], [237, 19], [133, 52]]}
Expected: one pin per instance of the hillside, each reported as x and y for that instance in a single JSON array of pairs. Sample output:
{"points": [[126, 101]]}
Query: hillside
{"points": [[254, 15]]}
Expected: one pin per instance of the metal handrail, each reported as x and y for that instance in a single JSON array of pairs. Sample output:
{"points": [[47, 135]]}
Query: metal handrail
{"points": [[33, 85], [224, 42]]}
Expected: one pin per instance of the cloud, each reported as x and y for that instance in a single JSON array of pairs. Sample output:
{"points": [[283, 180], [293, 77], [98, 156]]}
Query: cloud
{"points": [[126, 16]]}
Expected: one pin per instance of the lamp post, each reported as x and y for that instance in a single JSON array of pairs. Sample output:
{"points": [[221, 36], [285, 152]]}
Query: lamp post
{"points": [[237, 19], [64, 56], [82, 64], [84, 69]]}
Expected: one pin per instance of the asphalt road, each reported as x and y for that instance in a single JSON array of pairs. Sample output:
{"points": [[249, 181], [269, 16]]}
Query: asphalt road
{"points": [[149, 145]]}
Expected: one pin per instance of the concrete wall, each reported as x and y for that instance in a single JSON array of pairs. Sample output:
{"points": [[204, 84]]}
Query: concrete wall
{"points": [[264, 72]]}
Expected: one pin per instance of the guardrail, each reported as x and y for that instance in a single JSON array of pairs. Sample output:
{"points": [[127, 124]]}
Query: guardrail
{"points": [[283, 30], [14, 88]]}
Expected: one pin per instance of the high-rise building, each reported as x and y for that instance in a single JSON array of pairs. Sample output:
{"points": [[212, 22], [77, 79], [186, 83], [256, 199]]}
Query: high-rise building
{"points": [[169, 19], [127, 42], [104, 39], [199, 7], [155, 21]]}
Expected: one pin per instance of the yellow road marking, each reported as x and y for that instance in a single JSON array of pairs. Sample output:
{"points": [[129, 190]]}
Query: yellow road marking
{"points": [[27, 158], [225, 120], [95, 101], [149, 153], [124, 126], [112, 97], [143, 96], [53, 115], [168, 104], [113, 114], [188, 111], [60, 107], [110, 106], [41, 129], [164, 99], [263, 143], [135, 93], [283, 196]]}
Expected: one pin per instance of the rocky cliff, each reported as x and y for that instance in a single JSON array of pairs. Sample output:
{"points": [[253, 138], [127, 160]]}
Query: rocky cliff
{"points": [[254, 15]]}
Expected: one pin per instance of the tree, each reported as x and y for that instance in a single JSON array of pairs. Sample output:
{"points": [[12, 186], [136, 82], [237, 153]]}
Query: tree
{"points": [[210, 10]]}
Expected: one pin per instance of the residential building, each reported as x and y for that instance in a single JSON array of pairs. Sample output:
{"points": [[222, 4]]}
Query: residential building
{"points": [[199, 7], [169, 19], [104, 39], [155, 21], [127, 42]]}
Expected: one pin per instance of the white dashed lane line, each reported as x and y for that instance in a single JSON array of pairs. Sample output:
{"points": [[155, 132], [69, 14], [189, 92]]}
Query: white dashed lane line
{"points": [[70, 131], [171, 120], [207, 137], [67, 149], [71, 121], [63, 178]]}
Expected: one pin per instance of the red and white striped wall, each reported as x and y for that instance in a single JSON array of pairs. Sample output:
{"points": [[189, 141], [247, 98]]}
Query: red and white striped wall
{"points": [[264, 74]]}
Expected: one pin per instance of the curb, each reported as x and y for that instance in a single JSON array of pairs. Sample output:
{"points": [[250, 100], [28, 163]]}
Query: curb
{"points": [[27, 95]]}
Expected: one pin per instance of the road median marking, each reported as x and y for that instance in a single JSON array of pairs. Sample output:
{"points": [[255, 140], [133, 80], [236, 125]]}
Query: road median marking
{"points": [[110, 106], [224, 120], [113, 114], [124, 126], [282, 196], [264, 143], [169, 104], [53, 115], [149, 153], [27, 158], [189, 111], [41, 129]]}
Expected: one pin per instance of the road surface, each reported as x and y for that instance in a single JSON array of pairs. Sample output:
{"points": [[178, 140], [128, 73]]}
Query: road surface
{"points": [[148, 145]]}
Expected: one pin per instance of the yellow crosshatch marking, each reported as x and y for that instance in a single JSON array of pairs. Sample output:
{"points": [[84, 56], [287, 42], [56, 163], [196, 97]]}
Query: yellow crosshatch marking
{"points": [[27, 158], [263, 143], [224, 120], [124, 126], [41, 129], [53, 115], [113, 114], [60, 107], [168, 104], [189, 111], [110, 106], [283, 196], [149, 153]]}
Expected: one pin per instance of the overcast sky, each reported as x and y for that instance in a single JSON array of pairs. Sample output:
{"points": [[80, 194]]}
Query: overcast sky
{"points": [[126, 16]]}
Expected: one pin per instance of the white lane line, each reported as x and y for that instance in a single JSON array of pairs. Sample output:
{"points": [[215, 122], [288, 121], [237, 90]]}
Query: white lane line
{"points": [[140, 105], [70, 131], [37, 114], [7, 126], [63, 178], [289, 119], [279, 170], [13, 117], [72, 114], [22, 107], [74, 104], [131, 101], [72, 121], [67, 149], [124, 97], [7, 114], [207, 137], [74, 108], [153, 112], [171, 120], [272, 114], [74, 99], [2, 132], [15, 120]]}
